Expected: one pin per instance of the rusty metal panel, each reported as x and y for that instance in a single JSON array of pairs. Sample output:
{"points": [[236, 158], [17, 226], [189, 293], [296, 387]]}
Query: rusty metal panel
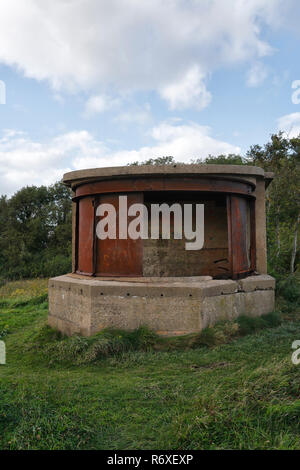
{"points": [[129, 185], [119, 257], [239, 234], [75, 237], [253, 237], [85, 236], [229, 229]]}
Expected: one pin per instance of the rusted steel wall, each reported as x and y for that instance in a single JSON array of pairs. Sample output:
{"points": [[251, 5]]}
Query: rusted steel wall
{"points": [[140, 184], [74, 233], [85, 236], [240, 235], [229, 242], [119, 257]]}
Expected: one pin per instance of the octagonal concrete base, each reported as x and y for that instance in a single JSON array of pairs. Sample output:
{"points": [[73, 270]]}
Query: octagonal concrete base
{"points": [[169, 306]]}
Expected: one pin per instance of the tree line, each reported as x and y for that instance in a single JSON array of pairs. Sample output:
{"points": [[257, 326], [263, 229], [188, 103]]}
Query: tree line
{"points": [[36, 232], [281, 155], [36, 222]]}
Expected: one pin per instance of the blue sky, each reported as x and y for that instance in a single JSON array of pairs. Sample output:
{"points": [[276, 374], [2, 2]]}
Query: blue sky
{"points": [[91, 83]]}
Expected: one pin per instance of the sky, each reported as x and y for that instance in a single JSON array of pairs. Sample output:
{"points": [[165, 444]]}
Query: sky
{"points": [[97, 83]]}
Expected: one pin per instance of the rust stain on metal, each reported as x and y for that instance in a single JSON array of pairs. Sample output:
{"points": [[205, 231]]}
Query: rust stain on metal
{"points": [[85, 236], [94, 257], [240, 257], [129, 185], [120, 257], [252, 235]]}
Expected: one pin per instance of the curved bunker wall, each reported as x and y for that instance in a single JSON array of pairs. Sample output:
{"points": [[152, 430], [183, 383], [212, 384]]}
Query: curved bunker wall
{"points": [[234, 249]]}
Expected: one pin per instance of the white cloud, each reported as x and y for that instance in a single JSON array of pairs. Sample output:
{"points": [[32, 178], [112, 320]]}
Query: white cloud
{"points": [[98, 104], [187, 93], [257, 74], [290, 123], [131, 45], [139, 115], [25, 162], [185, 142]]}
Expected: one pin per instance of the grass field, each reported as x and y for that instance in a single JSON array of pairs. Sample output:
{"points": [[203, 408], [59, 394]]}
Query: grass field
{"points": [[233, 387]]}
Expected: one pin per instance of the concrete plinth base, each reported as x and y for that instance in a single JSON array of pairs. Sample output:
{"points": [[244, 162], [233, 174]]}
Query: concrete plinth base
{"points": [[169, 306]]}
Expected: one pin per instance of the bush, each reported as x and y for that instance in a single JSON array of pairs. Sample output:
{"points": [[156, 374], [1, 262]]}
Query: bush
{"points": [[248, 325], [4, 331], [56, 348], [289, 289], [57, 265]]}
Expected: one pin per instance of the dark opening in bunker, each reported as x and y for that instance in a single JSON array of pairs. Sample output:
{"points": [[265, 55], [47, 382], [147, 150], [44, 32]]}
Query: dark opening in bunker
{"points": [[171, 258]]}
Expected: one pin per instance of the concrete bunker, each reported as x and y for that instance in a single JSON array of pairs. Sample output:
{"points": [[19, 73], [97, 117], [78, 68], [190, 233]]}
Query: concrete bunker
{"points": [[126, 283]]}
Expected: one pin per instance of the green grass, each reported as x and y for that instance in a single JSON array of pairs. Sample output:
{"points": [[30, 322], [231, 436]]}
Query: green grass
{"points": [[231, 387]]}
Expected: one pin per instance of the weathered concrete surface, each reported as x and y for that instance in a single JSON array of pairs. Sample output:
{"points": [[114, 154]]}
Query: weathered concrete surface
{"points": [[260, 227], [73, 178], [170, 257], [252, 283], [169, 307]]}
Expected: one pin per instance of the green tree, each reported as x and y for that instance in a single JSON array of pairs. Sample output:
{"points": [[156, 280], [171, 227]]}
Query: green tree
{"points": [[282, 156], [35, 233], [231, 159], [156, 161]]}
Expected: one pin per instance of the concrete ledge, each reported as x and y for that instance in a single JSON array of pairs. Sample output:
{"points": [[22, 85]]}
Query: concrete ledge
{"points": [[81, 305], [252, 283], [74, 178]]}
